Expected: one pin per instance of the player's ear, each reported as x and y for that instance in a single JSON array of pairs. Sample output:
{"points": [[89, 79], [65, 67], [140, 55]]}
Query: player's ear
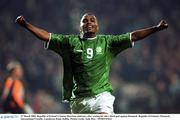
{"points": [[80, 29], [97, 28]]}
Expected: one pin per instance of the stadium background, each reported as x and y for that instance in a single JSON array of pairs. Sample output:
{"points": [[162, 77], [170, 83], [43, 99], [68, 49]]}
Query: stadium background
{"points": [[146, 78]]}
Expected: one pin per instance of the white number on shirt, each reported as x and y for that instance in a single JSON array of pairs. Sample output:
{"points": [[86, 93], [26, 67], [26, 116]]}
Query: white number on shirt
{"points": [[89, 53]]}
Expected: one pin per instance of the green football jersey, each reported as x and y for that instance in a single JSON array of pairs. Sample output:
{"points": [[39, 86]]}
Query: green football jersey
{"points": [[87, 62]]}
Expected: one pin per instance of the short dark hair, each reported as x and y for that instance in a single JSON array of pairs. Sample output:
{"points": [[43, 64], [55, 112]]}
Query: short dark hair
{"points": [[88, 13]]}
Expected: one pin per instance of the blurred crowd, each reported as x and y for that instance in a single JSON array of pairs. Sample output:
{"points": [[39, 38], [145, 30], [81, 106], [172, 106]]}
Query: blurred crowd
{"points": [[146, 78]]}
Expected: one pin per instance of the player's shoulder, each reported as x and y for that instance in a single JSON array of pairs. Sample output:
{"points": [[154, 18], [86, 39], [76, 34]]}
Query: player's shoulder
{"points": [[73, 39], [104, 37], [72, 36]]}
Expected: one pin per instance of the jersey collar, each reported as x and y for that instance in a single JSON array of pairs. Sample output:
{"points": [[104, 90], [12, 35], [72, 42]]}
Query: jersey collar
{"points": [[91, 38], [81, 36]]}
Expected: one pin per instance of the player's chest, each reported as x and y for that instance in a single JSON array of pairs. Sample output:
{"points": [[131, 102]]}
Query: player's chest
{"points": [[88, 50]]}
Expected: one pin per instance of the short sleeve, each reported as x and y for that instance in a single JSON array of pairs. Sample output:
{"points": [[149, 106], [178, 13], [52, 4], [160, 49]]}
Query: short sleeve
{"points": [[57, 42], [118, 43]]}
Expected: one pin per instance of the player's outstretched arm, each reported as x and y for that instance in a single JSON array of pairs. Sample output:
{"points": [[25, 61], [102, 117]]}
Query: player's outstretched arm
{"points": [[142, 33], [40, 33]]}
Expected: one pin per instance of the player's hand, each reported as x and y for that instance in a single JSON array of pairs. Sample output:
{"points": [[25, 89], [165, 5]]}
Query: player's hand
{"points": [[21, 20], [162, 25]]}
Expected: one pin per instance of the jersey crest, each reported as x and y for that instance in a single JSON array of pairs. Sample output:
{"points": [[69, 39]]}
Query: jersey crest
{"points": [[99, 50]]}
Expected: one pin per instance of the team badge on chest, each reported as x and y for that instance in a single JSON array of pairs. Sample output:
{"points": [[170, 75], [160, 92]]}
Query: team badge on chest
{"points": [[99, 50]]}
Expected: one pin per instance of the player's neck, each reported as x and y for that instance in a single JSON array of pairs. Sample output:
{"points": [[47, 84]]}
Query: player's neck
{"points": [[89, 35]]}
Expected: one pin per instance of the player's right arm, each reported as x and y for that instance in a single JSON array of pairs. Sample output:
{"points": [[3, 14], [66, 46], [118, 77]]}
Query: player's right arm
{"points": [[39, 33]]}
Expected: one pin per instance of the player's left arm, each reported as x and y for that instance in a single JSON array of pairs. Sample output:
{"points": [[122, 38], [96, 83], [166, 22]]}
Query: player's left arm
{"points": [[142, 33]]}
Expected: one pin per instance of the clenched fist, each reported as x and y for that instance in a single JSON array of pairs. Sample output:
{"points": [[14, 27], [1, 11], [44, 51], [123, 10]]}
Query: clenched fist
{"points": [[21, 20], [162, 25]]}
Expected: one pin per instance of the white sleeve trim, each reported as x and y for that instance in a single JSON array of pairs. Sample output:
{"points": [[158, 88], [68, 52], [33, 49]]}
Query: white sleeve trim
{"points": [[131, 40], [46, 44], [65, 101]]}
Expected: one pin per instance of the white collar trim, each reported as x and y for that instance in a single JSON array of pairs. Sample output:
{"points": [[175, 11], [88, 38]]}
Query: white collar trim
{"points": [[91, 38], [81, 36]]}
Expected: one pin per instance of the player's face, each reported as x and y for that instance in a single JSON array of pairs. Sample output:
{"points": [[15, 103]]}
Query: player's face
{"points": [[89, 24]]}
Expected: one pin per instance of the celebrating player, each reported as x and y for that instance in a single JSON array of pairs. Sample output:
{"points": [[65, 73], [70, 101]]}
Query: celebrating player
{"points": [[87, 59]]}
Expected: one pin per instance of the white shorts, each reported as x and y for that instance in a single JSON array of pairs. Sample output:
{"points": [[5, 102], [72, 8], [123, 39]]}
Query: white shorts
{"points": [[99, 103]]}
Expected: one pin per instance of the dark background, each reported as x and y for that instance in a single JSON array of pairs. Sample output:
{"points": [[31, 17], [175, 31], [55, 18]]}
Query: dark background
{"points": [[146, 78]]}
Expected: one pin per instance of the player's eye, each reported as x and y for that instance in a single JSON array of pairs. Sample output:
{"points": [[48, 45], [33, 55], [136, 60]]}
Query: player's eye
{"points": [[85, 21], [92, 20]]}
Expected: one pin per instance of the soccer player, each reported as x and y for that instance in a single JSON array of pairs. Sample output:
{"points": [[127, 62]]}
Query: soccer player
{"points": [[87, 59]]}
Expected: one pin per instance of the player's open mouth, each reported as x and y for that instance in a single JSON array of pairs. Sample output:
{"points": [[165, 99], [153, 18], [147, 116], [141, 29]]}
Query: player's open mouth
{"points": [[89, 26]]}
